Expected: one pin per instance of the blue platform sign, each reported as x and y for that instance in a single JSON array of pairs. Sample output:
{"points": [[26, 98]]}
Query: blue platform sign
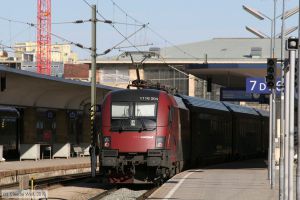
{"points": [[259, 86]]}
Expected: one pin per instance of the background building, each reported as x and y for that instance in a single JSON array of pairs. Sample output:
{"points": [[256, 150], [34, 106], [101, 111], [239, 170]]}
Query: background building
{"points": [[26, 51]]}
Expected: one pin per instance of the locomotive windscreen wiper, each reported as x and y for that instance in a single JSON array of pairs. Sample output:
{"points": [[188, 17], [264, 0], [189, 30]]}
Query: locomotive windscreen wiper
{"points": [[144, 128], [121, 128]]}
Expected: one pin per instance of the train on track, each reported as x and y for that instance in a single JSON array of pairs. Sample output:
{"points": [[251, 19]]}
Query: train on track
{"points": [[150, 134]]}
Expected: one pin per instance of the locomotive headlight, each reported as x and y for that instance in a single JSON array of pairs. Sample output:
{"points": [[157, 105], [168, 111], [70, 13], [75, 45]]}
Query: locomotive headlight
{"points": [[160, 142], [106, 142]]}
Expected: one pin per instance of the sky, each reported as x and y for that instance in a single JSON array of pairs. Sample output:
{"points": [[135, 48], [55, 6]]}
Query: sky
{"points": [[177, 21]]}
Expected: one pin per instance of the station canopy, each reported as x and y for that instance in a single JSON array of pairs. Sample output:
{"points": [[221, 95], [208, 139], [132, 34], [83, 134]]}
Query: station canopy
{"points": [[23, 88]]}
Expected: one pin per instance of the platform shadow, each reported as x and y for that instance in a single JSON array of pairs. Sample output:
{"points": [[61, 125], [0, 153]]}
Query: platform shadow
{"points": [[244, 164]]}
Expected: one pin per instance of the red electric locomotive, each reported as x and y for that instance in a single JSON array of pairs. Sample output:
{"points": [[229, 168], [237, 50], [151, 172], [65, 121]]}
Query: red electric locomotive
{"points": [[145, 133]]}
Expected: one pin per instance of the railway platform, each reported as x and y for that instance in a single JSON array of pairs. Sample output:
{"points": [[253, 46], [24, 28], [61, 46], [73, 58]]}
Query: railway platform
{"points": [[21, 172], [246, 180]]}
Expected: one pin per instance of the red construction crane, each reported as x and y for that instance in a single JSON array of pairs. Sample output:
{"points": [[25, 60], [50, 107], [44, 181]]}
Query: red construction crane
{"points": [[43, 56]]}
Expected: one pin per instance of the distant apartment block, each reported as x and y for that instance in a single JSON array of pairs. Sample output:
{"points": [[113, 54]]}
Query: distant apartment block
{"points": [[26, 52]]}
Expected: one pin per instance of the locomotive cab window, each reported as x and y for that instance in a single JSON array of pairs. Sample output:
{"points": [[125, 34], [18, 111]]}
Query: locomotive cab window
{"points": [[121, 110], [132, 116], [145, 109]]}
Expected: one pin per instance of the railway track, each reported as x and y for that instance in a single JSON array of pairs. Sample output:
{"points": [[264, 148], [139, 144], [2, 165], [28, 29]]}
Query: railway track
{"points": [[47, 182], [122, 191], [147, 194], [127, 191], [104, 194]]}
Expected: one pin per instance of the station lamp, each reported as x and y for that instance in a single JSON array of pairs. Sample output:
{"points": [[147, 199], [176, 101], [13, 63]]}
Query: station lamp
{"points": [[271, 72]]}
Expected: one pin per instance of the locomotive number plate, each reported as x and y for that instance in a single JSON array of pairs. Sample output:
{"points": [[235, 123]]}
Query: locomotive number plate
{"points": [[149, 98]]}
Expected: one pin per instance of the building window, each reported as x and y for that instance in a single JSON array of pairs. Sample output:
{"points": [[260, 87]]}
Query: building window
{"points": [[168, 77], [28, 57], [201, 90], [114, 74]]}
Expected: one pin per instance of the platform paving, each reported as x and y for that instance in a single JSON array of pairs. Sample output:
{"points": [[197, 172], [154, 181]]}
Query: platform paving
{"points": [[245, 180], [14, 171]]}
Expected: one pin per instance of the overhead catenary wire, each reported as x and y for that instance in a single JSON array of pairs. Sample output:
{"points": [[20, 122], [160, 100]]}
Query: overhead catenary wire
{"points": [[70, 22], [177, 47], [17, 21], [173, 67], [155, 32], [112, 22], [6, 46], [124, 12], [137, 45], [87, 3], [20, 33], [80, 21], [115, 46], [118, 31], [75, 43], [53, 34], [125, 38], [105, 21], [163, 59], [17, 48], [32, 45], [69, 41]]}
